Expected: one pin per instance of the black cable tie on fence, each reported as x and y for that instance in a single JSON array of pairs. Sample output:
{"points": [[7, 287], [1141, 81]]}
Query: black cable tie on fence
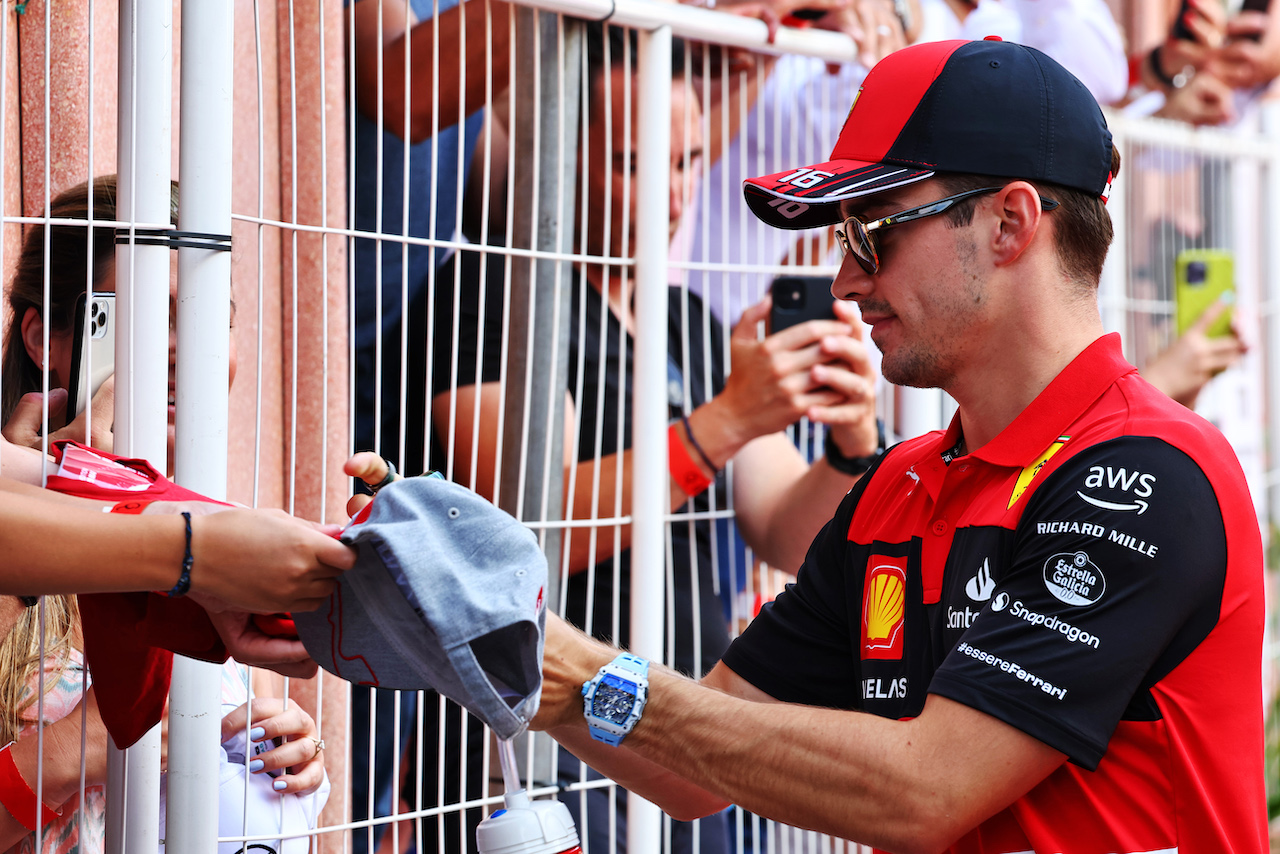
{"points": [[174, 239]]}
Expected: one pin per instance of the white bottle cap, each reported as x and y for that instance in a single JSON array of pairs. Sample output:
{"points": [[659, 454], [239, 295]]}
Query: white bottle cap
{"points": [[528, 827]]}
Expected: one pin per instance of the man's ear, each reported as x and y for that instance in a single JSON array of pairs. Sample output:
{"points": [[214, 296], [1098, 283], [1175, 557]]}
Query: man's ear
{"points": [[1019, 211]]}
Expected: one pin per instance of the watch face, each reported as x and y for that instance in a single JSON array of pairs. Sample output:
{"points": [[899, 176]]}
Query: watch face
{"points": [[613, 700]]}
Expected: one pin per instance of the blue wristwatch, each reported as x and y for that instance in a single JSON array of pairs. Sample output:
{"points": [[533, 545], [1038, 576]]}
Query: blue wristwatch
{"points": [[613, 701]]}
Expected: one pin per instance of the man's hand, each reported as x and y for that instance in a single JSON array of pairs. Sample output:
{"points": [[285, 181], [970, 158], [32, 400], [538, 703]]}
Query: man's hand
{"points": [[569, 659], [852, 421], [25, 425], [819, 369], [248, 644]]}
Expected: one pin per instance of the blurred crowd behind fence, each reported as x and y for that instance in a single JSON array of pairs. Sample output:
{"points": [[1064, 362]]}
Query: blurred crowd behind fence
{"points": [[279, 81]]}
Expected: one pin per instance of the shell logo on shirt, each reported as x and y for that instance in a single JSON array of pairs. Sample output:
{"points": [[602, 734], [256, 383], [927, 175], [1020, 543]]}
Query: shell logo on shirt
{"points": [[884, 607]]}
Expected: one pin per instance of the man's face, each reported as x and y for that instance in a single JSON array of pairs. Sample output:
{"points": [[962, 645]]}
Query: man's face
{"points": [[928, 306], [611, 161]]}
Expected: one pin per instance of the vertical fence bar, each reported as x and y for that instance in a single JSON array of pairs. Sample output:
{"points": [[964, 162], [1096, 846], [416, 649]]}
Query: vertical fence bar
{"points": [[648, 434], [142, 339], [545, 136], [531, 488], [200, 420], [1270, 125]]}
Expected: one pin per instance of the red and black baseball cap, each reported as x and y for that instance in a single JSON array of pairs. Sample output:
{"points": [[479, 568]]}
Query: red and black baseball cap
{"points": [[986, 107]]}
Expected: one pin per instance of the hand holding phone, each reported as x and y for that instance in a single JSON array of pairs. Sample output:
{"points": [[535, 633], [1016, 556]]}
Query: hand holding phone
{"points": [[93, 349], [1200, 21], [1203, 277], [810, 365], [797, 299]]}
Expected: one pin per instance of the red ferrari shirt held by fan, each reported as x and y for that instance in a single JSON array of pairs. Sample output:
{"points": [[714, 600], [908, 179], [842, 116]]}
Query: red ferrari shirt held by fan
{"points": [[1093, 577], [128, 637]]}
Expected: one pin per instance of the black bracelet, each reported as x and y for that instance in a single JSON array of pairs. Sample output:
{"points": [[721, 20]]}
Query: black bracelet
{"points": [[1157, 69], [688, 431], [853, 465], [184, 581], [1177, 81], [386, 481]]}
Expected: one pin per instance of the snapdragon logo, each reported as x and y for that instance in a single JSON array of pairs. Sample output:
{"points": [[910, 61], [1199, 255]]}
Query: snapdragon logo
{"points": [[1051, 622]]}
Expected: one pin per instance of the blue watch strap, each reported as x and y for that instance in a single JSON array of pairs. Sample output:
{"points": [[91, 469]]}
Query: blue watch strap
{"points": [[609, 738], [605, 731]]}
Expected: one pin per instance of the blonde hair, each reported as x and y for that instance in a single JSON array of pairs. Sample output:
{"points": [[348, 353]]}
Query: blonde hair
{"points": [[21, 656]]}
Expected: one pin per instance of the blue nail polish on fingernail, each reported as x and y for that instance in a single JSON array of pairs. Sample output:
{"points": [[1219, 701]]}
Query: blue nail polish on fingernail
{"points": [[279, 785], [256, 733], [256, 765]]}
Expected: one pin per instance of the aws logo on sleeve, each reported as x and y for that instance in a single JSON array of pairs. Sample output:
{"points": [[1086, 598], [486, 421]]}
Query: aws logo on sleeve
{"points": [[1134, 488], [884, 607]]}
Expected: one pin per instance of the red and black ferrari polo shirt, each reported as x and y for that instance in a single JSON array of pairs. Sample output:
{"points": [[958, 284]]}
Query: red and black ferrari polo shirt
{"points": [[1092, 576]]}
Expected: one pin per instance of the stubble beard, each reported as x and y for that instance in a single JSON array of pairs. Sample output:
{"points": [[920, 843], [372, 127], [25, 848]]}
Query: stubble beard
{"points": [[921, 363], [910, 363]]}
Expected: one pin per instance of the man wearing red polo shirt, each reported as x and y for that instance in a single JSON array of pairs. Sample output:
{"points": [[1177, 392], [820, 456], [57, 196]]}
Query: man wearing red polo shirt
{"points": [[1038, 630]]}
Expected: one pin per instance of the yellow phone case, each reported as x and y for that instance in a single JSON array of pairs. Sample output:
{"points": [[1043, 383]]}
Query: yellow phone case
{"points": [[1201, 278]]}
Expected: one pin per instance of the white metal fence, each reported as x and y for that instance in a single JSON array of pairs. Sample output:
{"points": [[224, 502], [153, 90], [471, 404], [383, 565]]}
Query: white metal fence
{"points": [[271, 153]]}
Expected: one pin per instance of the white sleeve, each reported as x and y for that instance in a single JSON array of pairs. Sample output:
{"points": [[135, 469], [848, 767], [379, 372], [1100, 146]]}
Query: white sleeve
{"points": [[1083, 36]]}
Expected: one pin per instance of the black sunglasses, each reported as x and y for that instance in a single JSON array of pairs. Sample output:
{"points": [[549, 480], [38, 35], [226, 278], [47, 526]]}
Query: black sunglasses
{"points": [[855, 236]]}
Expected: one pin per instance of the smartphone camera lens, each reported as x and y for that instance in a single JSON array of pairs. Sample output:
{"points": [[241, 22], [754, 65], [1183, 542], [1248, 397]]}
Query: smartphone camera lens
{"points": [[1196, 273], [97, 320]]}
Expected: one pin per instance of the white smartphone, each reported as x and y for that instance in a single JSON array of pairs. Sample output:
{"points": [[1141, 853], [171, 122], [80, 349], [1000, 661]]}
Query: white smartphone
{"points": [[93, 349]]}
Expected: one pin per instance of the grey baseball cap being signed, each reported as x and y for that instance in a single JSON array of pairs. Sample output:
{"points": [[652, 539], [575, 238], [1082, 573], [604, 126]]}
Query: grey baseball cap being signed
{"points": [[446, 594]]}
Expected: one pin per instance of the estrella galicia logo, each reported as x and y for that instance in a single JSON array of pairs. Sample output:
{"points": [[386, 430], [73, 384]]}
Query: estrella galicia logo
{"points": [[1136, 486], [1074, 579]]}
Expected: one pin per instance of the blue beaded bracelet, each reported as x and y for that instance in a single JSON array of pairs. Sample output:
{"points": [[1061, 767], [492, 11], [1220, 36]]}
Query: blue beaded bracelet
{"points": [[688, 431], [184, 581]]}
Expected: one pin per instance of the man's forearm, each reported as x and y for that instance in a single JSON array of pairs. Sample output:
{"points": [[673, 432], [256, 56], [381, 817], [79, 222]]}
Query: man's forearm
{"points": [[662, 759], [465, 36], [695, 750], [781, 502], [602, 488], [850, 775], [571, 659], [902, 785]]}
